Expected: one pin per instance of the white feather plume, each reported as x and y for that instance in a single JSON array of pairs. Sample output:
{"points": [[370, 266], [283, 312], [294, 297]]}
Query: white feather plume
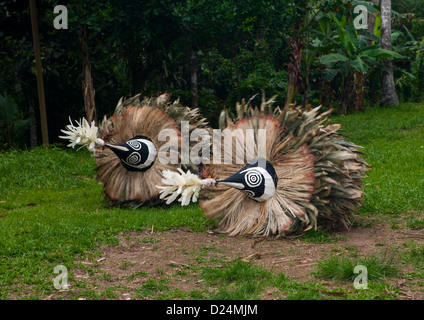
{"points": [[184, 184], [83, 134]]}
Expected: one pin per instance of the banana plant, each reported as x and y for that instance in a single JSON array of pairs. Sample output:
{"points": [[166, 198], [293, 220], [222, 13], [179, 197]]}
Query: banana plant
{"points": [[299, 53], [410, 82], [351, 58]]}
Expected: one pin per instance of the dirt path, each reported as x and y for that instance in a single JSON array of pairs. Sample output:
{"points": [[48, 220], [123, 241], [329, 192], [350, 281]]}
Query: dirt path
{"points": [[164, 253]]}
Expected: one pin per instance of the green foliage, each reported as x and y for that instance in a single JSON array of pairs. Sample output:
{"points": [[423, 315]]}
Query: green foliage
{"points": [[410, 29], [12, 124], [242, 48], [347, 54], [410, 84]]}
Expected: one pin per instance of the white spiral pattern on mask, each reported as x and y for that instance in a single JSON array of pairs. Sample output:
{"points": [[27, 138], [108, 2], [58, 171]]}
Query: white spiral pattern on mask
{"points": [[136, 145], [253, 178], [133, 159]]}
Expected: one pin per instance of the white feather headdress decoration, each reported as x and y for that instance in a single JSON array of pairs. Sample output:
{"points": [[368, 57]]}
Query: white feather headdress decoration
{"points": [[184, 184], [83, 134]]}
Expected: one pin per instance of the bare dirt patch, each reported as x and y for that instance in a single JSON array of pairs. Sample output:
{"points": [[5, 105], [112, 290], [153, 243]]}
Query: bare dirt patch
{"points": [[141, 256]]}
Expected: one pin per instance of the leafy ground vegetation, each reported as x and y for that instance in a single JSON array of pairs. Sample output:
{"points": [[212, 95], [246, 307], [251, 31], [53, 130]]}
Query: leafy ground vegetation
{"points": [[52, 214]]}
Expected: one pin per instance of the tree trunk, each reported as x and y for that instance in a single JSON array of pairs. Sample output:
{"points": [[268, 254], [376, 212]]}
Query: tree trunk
{"points": [[87, 80], [326, 94], [293, 69], [388, 91], [371, 26], [193, 78], [39, 70], [359, 87], [348, 95], [32, 124]]}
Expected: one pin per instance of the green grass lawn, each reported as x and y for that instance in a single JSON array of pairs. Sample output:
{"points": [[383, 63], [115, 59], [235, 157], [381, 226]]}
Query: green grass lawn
{"points": [[52, 210], [393, 139]]}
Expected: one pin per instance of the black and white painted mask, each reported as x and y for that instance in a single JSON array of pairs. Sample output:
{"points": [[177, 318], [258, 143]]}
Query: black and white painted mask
{"points": [[257, 179], [137, 154]]}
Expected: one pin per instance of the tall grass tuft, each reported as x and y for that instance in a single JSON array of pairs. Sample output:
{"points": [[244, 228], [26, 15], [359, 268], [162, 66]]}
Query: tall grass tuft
{"points": [[342, 267]]}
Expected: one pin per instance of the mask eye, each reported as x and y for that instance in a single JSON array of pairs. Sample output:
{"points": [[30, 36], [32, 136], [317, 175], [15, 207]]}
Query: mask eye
{"points": [[253, 178]]}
